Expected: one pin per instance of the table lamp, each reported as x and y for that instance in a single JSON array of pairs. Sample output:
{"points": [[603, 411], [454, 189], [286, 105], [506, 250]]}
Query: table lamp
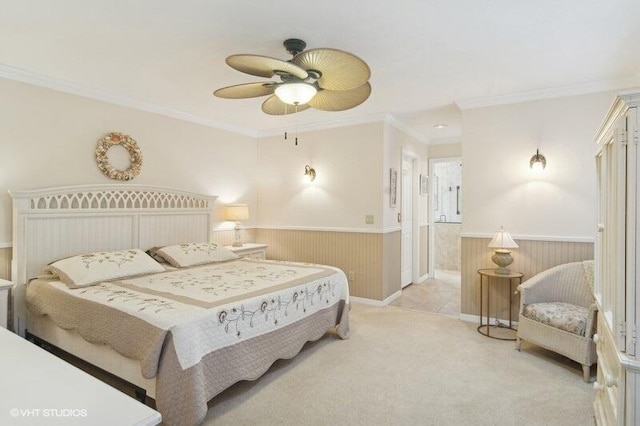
{"points": [[502, 242], [237, 213]]}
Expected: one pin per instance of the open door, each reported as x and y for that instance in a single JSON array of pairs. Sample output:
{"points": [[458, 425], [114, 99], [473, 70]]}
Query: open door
{"points": [[407, 224]]}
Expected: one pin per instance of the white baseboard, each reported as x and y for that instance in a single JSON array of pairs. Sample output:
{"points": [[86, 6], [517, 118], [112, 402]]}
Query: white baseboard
{"points": [[374, 302], [424, 277]]}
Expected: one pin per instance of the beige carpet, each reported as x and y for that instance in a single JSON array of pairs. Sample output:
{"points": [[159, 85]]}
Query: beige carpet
{"points": [[407, 367], [404, 367]]}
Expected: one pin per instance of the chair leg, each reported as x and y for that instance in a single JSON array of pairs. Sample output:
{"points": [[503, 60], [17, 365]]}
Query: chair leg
{"points": [[518, 343], [586, 373]]}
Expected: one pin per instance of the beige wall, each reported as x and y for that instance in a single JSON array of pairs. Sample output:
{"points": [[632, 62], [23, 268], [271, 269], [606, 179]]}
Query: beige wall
{"points": [[348, 181], [445, 150], [498, 186], [313, 221], [529, 258], [424, 248], [48, 138], [356, 252], [551, 215], [398, 144], [5, 263]]}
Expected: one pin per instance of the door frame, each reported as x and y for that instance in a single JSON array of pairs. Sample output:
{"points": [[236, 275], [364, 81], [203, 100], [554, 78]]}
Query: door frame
{"points": [[415, 215], [432, 203]]}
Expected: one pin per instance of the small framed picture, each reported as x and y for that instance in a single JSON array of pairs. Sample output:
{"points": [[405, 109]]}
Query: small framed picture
{"points": [[393, 188], [424, 185]]}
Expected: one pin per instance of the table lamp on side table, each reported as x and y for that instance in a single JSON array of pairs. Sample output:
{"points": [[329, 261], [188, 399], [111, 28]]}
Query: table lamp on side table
{"points": [[237, 213], [502, 242]]}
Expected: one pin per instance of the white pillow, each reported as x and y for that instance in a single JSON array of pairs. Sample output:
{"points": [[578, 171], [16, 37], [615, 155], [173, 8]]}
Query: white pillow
{"points": [[87, 269], [191, 254]]}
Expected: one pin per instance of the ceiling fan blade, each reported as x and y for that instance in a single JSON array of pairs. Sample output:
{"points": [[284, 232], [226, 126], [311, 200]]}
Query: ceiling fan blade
{"points": [[340, 70], [248, 90], [264, 66], [340, 100], [274, 106]]}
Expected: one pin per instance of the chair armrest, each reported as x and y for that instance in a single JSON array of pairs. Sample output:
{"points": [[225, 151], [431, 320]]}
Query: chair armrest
{"points": [[590, 328]]}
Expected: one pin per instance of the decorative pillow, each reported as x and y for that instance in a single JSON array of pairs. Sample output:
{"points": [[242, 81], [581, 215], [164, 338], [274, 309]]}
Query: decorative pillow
{"points": [[191, 254], [87, 269], [153, 252]]}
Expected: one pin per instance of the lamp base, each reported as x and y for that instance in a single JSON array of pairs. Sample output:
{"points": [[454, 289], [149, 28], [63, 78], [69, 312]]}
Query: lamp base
{"points": [[238, 240], [502, 258]]}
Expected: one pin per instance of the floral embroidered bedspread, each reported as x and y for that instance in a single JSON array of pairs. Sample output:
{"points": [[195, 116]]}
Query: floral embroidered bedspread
{"points": [[211, 306]]}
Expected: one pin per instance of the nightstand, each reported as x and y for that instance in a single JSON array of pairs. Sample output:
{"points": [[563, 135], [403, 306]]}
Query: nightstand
{"points": [[5, 286], [499, 278], [250, 250]]}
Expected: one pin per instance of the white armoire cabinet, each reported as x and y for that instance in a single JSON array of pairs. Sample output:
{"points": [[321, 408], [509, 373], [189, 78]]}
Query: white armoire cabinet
{"points": [[617, 387]]}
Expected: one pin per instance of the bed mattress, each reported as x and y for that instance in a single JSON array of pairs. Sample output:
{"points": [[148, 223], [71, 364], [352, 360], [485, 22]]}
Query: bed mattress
{"points": [[198, 330]]}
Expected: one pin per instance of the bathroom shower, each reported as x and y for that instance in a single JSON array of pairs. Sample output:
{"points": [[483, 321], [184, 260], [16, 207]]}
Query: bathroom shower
{"points": [[447, 197]]}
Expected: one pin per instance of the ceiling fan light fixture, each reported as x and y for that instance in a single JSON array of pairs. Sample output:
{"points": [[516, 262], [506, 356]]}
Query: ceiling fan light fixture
{"points": [[298, 93]]}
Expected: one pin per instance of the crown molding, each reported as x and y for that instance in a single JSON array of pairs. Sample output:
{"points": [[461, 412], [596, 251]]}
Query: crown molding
{"points": [[13, 73], [392, 120], [555, 92], [332, 124]]}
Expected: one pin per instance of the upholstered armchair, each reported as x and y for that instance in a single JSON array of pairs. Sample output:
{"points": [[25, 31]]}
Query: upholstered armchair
{"points": [[558, 312]]}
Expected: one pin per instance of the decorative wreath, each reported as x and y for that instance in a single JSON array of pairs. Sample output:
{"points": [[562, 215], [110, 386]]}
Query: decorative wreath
{"points": [[126, 142]]}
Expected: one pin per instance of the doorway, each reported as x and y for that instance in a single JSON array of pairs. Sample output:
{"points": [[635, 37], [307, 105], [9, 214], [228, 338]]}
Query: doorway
{"points": [[409, 225], [440, 293], [445, 218]]}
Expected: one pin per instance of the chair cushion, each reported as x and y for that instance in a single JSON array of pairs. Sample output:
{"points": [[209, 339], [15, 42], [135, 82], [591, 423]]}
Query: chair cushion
{"points": [[565, 316]]}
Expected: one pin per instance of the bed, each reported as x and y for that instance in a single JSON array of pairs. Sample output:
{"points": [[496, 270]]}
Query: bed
{"points": [[182, 333]]}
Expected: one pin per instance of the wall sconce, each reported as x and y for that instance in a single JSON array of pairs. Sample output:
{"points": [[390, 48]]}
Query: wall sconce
{"points": [[309, 173], [237, 213], [538, 162]]}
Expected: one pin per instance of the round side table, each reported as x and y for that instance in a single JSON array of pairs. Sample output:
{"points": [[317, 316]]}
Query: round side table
{"points": [[493, 275]]}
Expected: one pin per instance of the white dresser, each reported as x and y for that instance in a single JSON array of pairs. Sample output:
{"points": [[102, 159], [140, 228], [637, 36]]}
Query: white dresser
{"points": [[39, 388], [617, 396]]}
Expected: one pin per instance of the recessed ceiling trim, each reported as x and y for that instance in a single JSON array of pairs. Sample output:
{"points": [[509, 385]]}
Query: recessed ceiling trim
{"points": [[556, 92], [446, 141], [13, 73], [365, 119]]}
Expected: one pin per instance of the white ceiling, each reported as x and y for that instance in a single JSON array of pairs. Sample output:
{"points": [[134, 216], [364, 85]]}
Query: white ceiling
{"points": [[426, 56]]}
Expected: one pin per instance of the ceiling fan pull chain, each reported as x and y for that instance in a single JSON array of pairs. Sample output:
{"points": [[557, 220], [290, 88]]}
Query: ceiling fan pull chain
{"points": [[296, 122]]}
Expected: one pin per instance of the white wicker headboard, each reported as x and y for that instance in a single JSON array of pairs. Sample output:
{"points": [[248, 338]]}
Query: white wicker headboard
{"points": [[49, 224]]}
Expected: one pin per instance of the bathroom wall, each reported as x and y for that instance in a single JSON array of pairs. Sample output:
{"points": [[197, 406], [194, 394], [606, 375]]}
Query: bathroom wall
{"points": [[447, 242]]}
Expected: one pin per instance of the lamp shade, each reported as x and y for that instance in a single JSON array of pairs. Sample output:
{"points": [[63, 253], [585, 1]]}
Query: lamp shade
{"points": [[295, 93], [237, 212], [502, 240]]}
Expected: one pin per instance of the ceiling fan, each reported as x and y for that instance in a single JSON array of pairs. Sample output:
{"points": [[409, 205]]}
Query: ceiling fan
{"points": [[324, 79]]}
